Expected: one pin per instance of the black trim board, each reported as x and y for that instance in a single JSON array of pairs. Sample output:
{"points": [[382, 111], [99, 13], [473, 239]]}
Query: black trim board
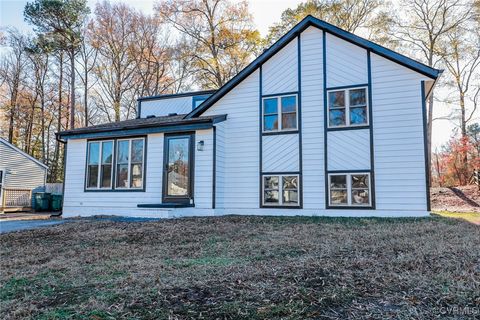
{"points": [[325, 27], [325, 116], [370, 123], [425, 143], [214, 167], [299, 120], [260, 139]]}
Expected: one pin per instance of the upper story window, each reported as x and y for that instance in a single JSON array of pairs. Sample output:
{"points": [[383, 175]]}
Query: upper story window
{"points": [[349, 189], [280, 113], [128, 156], [347, 107]]}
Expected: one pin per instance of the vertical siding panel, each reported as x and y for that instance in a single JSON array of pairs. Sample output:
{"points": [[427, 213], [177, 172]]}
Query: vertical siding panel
{"points": [[279, 73], [398, 136], [203, 170], [346, 63], [241, 171], [312, 119]]}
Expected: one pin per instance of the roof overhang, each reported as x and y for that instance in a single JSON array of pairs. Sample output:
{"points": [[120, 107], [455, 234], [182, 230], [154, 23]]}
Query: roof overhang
{"points": [[142, 129], [293, 33]]}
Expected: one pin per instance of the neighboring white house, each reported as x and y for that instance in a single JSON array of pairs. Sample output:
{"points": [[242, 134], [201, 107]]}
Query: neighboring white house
{"points": [[322, 123], [21, 175]]}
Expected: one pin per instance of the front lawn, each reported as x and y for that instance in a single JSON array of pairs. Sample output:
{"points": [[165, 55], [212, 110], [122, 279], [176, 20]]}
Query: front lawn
{"points": [[243, 267]]}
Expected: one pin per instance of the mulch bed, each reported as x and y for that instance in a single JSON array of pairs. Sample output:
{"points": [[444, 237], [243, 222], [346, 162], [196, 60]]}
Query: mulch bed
{"points": [[243, 268], [456, 199]]}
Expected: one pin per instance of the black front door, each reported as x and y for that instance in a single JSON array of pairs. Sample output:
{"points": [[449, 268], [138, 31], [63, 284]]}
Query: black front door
{"points": [[178, 168]]}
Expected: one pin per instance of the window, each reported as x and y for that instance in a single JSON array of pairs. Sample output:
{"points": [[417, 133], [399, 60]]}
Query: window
{"points": [[347, 108], [280, 113], [280, 190], [349, 189], [99, 166], [128, 156]]}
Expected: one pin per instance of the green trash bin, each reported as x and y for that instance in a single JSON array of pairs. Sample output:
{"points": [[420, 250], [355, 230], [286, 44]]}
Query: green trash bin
{"points": [[56, 203], [42, 201]]}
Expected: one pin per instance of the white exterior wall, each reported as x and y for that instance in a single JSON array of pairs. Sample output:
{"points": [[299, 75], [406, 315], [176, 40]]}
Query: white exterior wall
{"points": [[280, 153], [203, 180], [279, 73], [346, 63], [398, 136], [163, 107], [220, 159], [312, 119], [348, 150], [241, 162]]}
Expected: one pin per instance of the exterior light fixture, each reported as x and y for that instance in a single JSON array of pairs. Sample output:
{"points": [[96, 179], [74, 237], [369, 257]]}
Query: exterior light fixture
{"points": [[200, 145]]}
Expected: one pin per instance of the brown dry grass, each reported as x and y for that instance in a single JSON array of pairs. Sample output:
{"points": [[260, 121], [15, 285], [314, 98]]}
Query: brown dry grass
{"points": [[243, 267]]}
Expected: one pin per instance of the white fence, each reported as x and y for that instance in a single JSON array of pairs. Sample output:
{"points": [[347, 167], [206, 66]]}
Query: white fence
{"points": [[54, 188]]}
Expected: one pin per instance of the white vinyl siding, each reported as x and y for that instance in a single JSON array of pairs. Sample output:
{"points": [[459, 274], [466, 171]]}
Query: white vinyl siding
{"points": [[203, 169], [241, 136], [280, 72], [348, 150], [346, 63], [398, 136], [312, 119], [79, 202], [280, 153], [163, 107], [19, 171], [220, 165]]}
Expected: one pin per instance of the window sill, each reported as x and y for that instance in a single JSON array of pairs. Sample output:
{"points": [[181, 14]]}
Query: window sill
{"points": [[274, 133], [351, 207], [348, 128]]}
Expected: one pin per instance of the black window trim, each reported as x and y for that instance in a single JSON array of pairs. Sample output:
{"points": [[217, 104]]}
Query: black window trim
{"points": [[349, 173], [280, 176], [279, 113], [348, 125]]}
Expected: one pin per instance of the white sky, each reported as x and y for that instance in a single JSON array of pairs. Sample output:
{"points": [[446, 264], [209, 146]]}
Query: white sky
{"points": [[265, 13]]}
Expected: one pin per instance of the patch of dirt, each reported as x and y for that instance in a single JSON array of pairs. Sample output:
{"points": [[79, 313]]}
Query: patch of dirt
{"points": [[456, 199], [242, 268]]}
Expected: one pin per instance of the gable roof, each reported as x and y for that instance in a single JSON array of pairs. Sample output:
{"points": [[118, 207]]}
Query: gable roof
{"points": [[294, 32], [26, 155]]}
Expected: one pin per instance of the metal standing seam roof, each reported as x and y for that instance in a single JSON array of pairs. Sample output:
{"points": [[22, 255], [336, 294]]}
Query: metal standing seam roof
{"points": [[294, 32]]}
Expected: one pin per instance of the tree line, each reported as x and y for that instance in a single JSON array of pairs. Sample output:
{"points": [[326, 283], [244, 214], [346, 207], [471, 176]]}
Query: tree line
{"points": [[83, 66]]}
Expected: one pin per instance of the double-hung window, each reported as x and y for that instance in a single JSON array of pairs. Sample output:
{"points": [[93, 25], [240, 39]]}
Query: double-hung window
{"points": [[130, 158], [115, 164], [280, 190], [99, 166], [349, 189], [280, 113], [347, 107]]}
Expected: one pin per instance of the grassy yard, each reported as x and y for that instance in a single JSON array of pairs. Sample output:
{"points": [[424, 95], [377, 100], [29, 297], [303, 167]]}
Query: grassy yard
{"points": [[243, 267]]}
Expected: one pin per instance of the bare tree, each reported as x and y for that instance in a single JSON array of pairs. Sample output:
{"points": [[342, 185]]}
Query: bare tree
{"points": [[221, 36], [422, 26], [112, 34]]}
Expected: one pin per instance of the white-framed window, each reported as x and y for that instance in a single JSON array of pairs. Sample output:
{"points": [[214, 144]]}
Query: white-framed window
{"points": [[280, 113], [349, 189], [280, 190], [130, 163], [347, 107], [100, 164]]}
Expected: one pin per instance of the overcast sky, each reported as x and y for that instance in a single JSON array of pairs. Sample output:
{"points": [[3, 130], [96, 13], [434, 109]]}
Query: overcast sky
{"points": [[265, 13]]}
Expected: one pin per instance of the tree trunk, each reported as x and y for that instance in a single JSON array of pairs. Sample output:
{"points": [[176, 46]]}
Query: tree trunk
{"points": [[72, 88], [59, 123], [85, 95]]}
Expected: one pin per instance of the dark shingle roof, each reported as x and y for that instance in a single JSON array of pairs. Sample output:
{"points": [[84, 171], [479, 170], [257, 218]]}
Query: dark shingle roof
{"points": [[151, 122]]}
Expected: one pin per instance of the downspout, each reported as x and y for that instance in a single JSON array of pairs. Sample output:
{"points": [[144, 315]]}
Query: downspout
{"points": [[64, 142]]}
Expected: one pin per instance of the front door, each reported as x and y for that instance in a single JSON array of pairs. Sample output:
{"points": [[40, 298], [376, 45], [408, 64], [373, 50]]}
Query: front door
{"points": [[178, 168]]}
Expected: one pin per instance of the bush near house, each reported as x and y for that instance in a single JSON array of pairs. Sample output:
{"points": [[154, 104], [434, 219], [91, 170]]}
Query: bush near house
{"points": [[243, 268]]}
